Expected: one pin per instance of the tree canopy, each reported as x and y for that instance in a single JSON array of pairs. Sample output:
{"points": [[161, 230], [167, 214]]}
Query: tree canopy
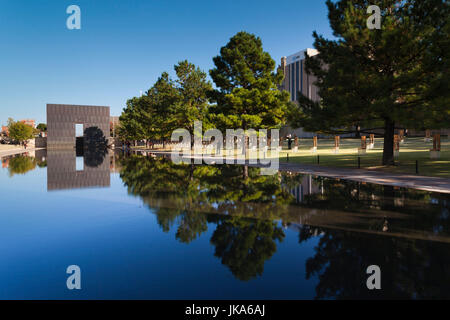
{"points": [[20, 131], [247, 94], [21, 165], [168, 105], [193, 87], [42, 127]]}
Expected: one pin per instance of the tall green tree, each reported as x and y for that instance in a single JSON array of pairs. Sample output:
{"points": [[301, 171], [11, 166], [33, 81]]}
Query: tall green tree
{"points": [[168, 105], [21, 165], [397, 76], [160, 107], [193, 88], [247, 95], [20, 131], [131, 126], [153, 115]]}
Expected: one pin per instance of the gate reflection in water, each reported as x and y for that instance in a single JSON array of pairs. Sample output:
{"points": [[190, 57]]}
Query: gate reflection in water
{"points": [[64, 173]]}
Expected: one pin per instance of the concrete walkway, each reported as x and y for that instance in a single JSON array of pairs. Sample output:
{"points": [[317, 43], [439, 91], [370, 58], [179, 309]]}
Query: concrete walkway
{"points": [[432, 184], [18, 150]]}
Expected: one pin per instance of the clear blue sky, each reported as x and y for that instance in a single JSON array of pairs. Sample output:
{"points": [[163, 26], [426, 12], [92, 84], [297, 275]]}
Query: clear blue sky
{"points": [[124, 45]]}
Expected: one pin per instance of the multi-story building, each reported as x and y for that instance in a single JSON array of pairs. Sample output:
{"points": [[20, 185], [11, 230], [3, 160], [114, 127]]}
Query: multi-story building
{"points": [[296, 79]]}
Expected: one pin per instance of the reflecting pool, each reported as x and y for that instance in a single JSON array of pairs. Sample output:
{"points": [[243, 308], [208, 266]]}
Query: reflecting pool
{"points": [[141, 227]]}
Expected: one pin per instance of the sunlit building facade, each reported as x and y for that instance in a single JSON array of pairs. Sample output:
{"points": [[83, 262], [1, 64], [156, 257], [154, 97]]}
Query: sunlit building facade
{"points": [[296, 79]]}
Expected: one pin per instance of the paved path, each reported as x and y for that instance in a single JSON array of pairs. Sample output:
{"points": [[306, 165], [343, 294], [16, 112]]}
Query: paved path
{"points": [[11, 152], [432, 184]]}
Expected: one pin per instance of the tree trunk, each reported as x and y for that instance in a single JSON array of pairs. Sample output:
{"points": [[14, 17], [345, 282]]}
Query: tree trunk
{"points": [[245, 146], [245, 172], [388, 148]]}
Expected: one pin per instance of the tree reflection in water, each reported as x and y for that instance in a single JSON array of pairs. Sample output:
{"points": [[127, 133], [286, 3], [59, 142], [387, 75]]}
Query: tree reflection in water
{"points": [[245, 211], [183, 195], [411, 269], [95, 147], [244, 244], [21, 165], [404, 209]]}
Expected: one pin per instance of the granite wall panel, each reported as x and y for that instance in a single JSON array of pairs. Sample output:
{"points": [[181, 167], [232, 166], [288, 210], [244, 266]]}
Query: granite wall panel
{"points": [[62, 173], [61, 120]]}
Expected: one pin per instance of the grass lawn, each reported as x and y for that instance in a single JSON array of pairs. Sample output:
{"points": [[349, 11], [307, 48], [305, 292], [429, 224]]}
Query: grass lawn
{"points": [[411, 149]]}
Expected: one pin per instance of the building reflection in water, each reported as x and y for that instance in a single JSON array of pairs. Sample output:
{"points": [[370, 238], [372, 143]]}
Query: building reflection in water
{"points": [[307, 186], [64, 170]]}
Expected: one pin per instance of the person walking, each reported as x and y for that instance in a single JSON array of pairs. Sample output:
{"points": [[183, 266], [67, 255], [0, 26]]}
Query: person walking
{"points": [[289, 142]]}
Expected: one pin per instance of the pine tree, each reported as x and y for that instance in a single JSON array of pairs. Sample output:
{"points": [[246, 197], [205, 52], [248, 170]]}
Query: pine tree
{"points": [[160, 106], [193, 88], [247, 95], [131, 124], [395, 76]]}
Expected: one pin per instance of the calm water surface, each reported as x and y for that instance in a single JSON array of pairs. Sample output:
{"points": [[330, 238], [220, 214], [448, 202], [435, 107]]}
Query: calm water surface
{"points": [[141, 227]]}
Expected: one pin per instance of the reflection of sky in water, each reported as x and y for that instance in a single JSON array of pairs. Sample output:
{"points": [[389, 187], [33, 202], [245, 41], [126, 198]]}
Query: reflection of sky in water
{"points": [[121, 250], [79, 164], [123, 253]]}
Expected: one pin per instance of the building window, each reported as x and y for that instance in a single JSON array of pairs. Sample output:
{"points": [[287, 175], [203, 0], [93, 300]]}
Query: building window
{"points": [[292, 82], [301, 76], [297, 86]]}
